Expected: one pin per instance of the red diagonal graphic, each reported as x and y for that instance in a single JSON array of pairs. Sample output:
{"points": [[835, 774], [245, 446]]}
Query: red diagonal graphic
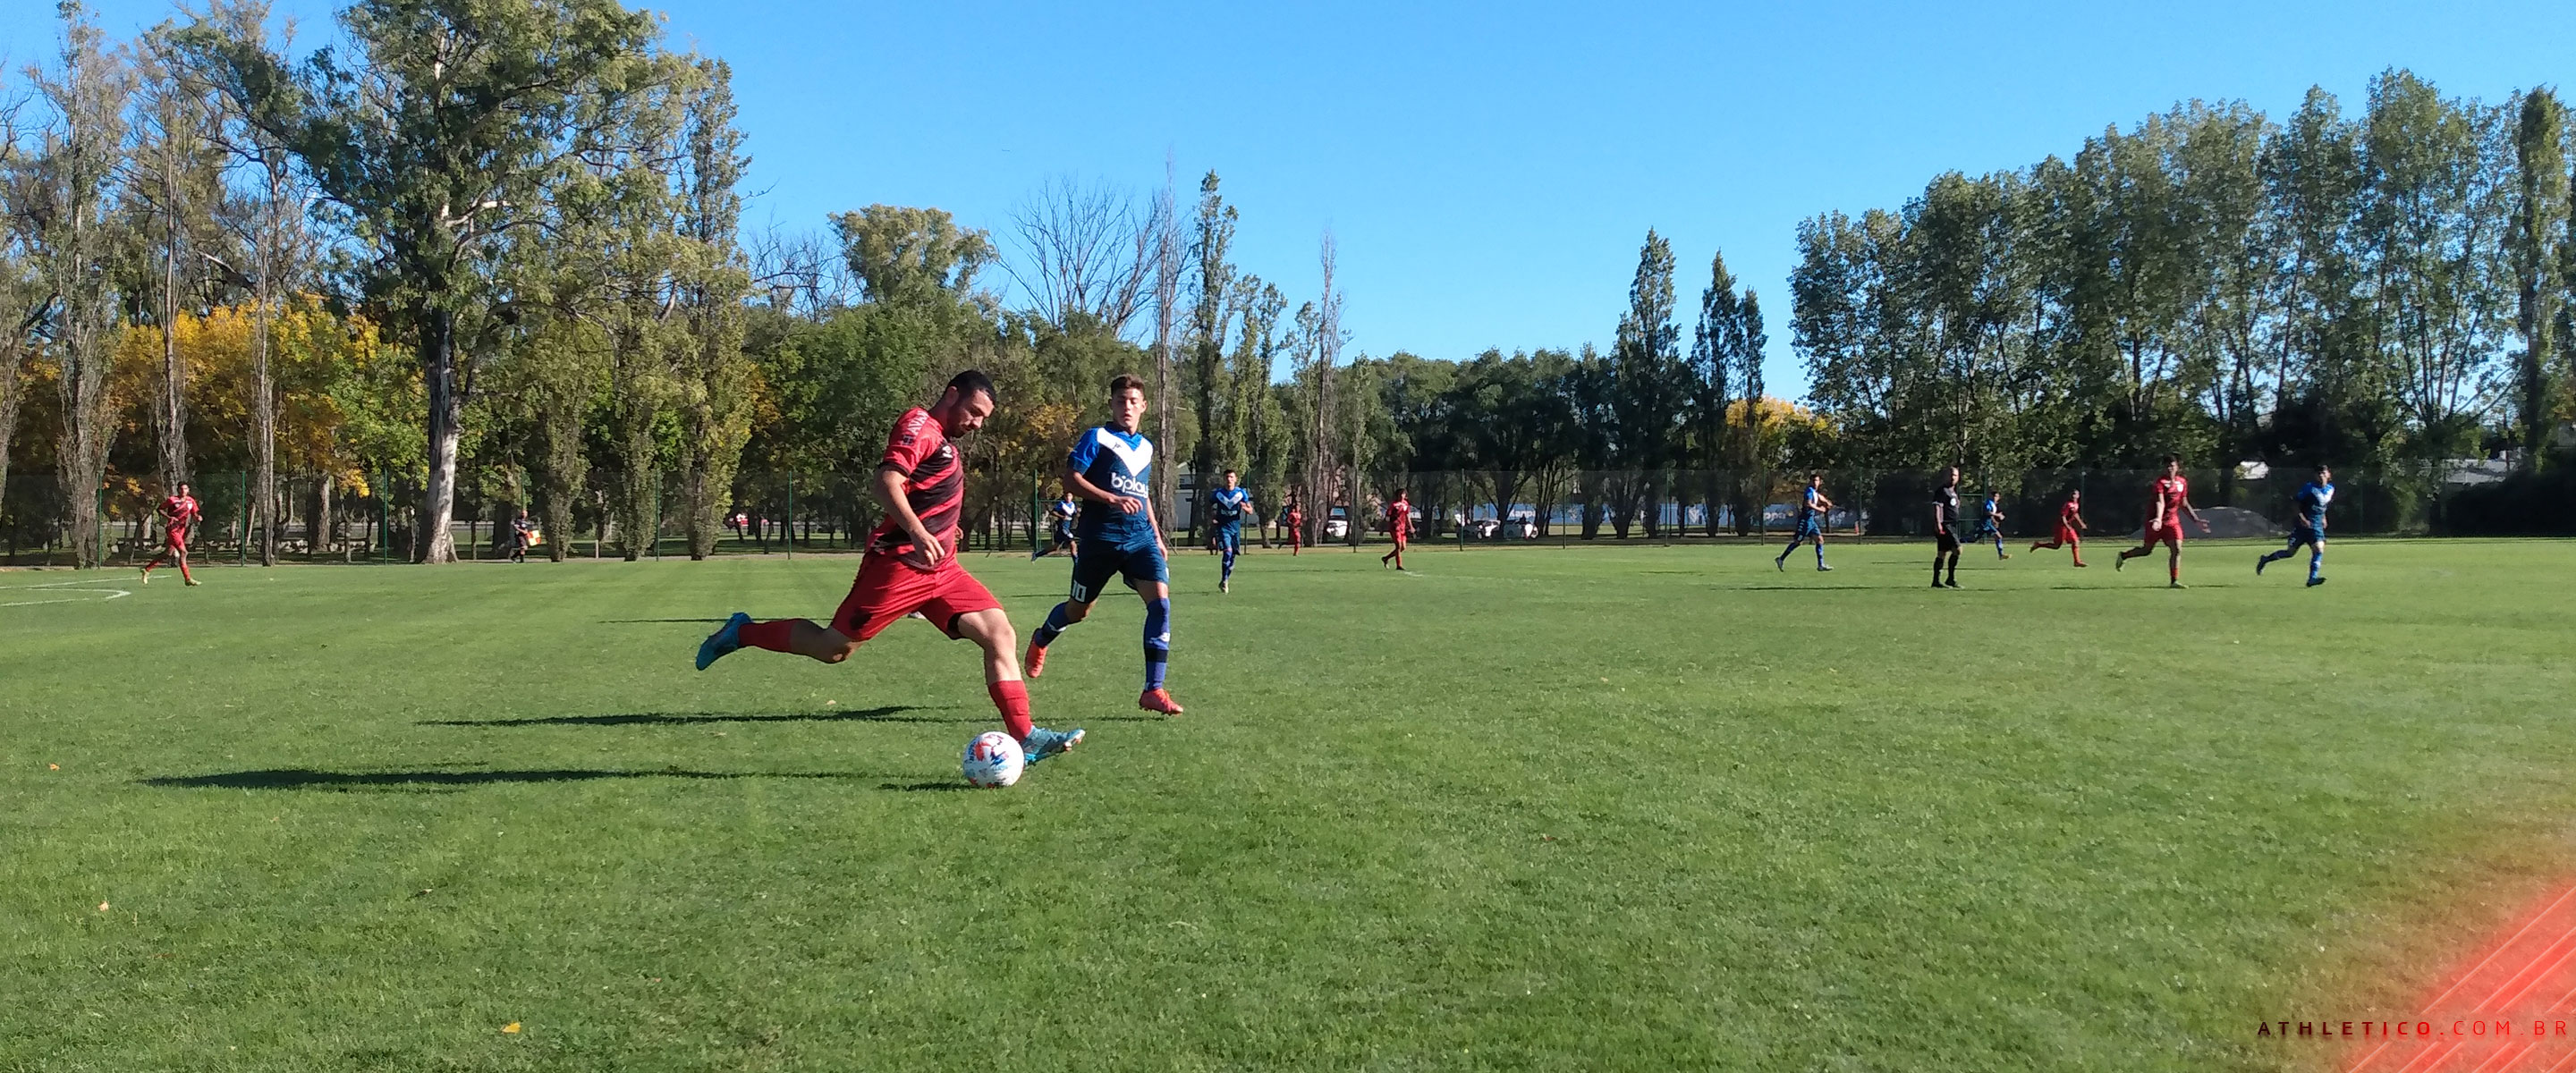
{"points": [[2500, 1012]]}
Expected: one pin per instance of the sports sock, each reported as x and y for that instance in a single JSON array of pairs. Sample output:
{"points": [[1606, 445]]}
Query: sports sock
{"points": [[2173, 569], [1052, 628], [1820, 553], [1158, 641], [771, 635], [2316, 563], [1013, 699], [1226, 573]]}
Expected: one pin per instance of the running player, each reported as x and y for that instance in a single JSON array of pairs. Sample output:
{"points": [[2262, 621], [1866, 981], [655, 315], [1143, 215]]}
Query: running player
{"points": [[1945, 529], [179, 513], [1059, 528], [1110, 469], [1228, 508], [1991, 524], [2070, 528], [2169, 500], [2313, 500], [523, 535], [911, 567], [1293, 519], [1812, 506], [1399, 524]]}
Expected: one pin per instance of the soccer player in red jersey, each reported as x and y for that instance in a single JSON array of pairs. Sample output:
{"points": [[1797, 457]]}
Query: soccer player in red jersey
{"points": [[179, 513], [1399, 524], [911, 566], [2170, 500], [1294, 519], [2070, 528]]}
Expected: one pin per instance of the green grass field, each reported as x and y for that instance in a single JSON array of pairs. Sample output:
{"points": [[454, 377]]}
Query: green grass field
{"points": [[1611, 808]]}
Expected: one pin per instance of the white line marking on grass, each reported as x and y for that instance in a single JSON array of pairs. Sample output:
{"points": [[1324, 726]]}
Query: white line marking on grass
{"points": [[69, 586]]}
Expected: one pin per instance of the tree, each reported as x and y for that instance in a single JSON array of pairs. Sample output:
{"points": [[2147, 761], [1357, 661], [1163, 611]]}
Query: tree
{"points": [[446, 127], [716, 380], [1646, 384], [1211, 317], [22, 292], [2540, 220], [67, 195], [1712, 359], [1087, 251]]}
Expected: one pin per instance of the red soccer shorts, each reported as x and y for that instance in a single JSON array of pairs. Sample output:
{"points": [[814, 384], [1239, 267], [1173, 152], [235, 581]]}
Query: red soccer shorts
{"points": [[176, 540], [886, 590], [2066, 535], [2170, 536]]}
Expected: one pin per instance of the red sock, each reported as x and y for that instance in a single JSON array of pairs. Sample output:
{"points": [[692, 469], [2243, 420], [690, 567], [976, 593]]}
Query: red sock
{"points": [[770, 635], [1013, 699], [2174, 570]]}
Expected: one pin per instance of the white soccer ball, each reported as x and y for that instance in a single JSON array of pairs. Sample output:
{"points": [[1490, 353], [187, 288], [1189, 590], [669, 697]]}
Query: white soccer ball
{"points": [[994, 759]]}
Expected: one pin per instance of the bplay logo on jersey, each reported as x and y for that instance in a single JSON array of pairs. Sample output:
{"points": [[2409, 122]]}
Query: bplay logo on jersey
{"points": [[1126, 486]]}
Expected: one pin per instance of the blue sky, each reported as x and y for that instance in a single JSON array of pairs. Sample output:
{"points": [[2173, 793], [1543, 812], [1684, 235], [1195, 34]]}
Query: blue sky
{"points": [[1489, 170]]}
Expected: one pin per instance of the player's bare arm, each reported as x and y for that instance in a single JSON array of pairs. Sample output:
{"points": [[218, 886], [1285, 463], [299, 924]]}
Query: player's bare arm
{"points": [[890, 489]]}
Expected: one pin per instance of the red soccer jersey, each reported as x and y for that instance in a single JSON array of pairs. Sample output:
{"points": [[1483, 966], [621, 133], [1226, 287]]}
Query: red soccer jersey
{"points": [[2170, 492], [935, 487], [179, 512], [2066, 514], [1399, 517]]}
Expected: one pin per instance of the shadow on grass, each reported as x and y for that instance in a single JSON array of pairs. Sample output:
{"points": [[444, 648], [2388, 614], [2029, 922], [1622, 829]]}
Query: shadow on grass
{"points": [[309, 779], [1814, 588], [830, 715], [631, 621], [925, 787]]}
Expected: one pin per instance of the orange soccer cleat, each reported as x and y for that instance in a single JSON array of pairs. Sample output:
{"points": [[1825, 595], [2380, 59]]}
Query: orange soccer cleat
{"points": [[1156, 700], [1034, 662]]}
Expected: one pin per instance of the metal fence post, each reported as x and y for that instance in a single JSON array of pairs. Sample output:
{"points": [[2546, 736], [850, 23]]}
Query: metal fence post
{"points": [[788, 536]]}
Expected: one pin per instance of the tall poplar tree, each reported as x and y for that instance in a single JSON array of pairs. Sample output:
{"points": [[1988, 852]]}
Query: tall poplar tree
{"points": [[2534, 248]]}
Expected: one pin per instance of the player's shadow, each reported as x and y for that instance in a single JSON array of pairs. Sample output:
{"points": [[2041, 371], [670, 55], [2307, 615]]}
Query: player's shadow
{"points": [[925, 787], [887, 714], [631, 621], [310, 779], [1807, 588]]}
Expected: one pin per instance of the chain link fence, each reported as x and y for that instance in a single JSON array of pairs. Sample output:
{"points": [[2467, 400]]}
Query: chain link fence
{"points": [[353, 519]]}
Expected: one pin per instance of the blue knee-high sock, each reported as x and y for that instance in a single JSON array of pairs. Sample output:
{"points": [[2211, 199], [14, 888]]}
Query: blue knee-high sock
{"points": [[1820, 552], [1054, 627], [1158, 641], [1784, 552], [1227, 574], [2316, 562]]}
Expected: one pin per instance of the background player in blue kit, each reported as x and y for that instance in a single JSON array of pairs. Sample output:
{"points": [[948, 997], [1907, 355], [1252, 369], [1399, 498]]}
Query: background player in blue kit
{"points": [[2314, 498], [1227, 509], [1991, 525], [1812, 506], [1117, 535], [1059, 526]]}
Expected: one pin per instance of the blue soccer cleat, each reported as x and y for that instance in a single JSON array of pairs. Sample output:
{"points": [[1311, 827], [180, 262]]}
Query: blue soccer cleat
{"points": [[2316, 581], [2261, 561], [1043, 743], [721, 643]]}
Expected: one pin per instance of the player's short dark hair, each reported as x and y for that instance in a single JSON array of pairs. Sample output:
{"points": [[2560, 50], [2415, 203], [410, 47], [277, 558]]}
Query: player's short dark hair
{"points": [[1119, 384], [967, 383], [2322, 467], [2173, 460], [1232, 473]]}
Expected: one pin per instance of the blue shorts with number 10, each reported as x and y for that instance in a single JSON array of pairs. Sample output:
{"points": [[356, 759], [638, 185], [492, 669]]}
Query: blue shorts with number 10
{"points": [[1096, 561]]}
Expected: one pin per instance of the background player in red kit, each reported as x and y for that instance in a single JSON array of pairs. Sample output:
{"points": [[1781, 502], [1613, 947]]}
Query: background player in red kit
{"points": [[178, 514], [1399, 524], [911, 565], [2170, 500], [2070, 528]]}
